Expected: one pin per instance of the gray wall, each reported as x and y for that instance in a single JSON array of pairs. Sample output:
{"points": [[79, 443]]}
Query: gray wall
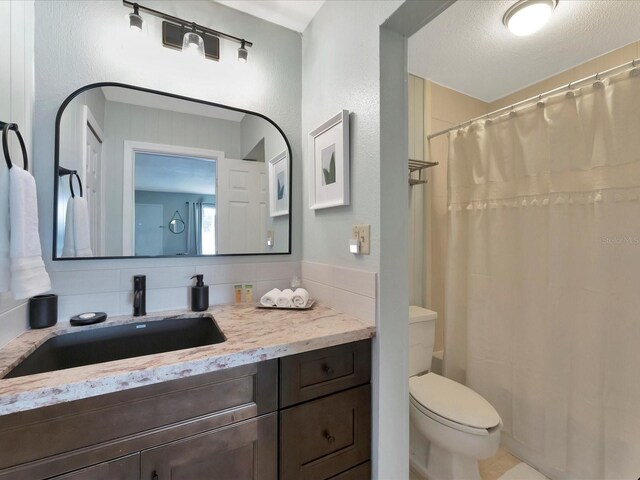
{"points": [[253, 129], [93, 44]]}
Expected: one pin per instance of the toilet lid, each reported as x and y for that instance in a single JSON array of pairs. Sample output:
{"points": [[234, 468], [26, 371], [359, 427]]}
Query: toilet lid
{"points": [[453, 401]]}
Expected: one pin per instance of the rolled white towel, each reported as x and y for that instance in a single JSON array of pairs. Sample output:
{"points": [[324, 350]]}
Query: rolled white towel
{"points": [[300, 298], [285, 298], [269, 298]]}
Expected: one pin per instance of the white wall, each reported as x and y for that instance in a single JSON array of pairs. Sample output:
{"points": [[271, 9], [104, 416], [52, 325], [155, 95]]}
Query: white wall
{"points": [[83, 42], [16, 105], [341, 70]]}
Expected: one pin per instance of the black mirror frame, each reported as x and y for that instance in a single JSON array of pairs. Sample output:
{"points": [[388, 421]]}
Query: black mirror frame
{"points": [[179, 97]]}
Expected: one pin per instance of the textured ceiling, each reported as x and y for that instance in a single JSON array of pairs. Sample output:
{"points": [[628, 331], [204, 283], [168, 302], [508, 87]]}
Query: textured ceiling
{"points": [[468, 49], [292, 14]]}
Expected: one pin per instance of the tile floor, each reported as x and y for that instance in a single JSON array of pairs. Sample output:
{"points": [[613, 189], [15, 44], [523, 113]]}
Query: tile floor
{"points": [[493, 468]]}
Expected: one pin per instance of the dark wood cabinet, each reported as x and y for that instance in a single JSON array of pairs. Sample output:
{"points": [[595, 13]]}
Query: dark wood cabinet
{"points": [[246, 450], [126, 468], [223, 425], [312, 374], [325, 431]]}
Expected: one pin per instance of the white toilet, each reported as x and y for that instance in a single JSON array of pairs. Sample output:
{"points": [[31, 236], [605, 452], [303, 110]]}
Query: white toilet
{"points": [[452, 427]]}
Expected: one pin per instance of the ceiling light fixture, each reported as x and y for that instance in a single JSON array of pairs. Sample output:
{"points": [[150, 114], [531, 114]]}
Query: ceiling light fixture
{"points": [[192, 43], [528, 16], [196, 39], [135, 20], [242, 53]]}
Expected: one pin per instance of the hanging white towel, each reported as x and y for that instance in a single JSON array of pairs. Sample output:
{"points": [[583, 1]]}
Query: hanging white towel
{"points": [[28, 275], [269, 298], [300, 298], [5, 264], [77, 241], [285, 298]]}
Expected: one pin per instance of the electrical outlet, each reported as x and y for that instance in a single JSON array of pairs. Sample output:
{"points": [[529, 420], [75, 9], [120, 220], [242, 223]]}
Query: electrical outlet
{"points": [[363, 234]]}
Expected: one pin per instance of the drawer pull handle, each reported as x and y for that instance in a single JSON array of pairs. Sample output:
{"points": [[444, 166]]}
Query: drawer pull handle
{"points": [[155, 476], [327, 369], [330, 438]]}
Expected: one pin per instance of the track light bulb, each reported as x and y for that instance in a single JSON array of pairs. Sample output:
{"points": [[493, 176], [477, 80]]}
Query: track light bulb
{"points": [[192, 43], [135, 20], [242, 53]]}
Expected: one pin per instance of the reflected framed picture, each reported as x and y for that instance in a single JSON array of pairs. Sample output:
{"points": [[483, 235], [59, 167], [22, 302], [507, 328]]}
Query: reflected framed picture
{"points": [[279, 185], [329, 154]]}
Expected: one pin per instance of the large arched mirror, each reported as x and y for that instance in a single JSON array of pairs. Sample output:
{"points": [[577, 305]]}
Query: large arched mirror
{"points": [[164, 175]]}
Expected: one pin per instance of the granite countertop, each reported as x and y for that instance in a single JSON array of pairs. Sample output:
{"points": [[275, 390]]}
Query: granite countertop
{"points": [[252, 335]]}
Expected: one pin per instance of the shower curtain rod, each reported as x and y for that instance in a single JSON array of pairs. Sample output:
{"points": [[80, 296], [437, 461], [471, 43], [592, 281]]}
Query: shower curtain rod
{"points": [[569, 86]]}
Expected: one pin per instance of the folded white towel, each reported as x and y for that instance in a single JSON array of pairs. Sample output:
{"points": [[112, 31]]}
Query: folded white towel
{"points": [[300, 298], [5, 264], [269, 298], [77, 242], [28, 275], [285, 298]]}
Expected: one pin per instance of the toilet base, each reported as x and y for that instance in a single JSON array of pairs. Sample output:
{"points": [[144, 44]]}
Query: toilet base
{"points": [[432, 462]]}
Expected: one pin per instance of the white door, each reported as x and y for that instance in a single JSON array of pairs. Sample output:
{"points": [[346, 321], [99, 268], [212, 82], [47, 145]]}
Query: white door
{"points": [[149, 229], [93, 188], [241, 206]]}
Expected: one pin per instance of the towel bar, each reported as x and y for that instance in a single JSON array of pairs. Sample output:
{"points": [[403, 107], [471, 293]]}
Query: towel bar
{"points": [[6, 127]]}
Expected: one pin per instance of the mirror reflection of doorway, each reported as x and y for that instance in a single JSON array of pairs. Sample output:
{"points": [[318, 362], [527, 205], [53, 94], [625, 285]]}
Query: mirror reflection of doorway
{"points": [[179, 185]]}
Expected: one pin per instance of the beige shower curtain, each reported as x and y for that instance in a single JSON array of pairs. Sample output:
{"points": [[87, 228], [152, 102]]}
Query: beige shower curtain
{"points": [[543, 277]]}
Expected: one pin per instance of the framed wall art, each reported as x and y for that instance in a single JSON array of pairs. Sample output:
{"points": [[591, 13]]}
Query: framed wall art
{"points": [[279, 185], [329, 155]]}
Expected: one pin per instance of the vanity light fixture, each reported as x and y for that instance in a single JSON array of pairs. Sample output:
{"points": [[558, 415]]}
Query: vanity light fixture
{"points": [[242, 53], [135, 20], [196, 39], [528, 16], [192, 43]]}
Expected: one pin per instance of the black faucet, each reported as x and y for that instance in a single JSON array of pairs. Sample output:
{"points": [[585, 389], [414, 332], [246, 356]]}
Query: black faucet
{"points": [[139, 295]]}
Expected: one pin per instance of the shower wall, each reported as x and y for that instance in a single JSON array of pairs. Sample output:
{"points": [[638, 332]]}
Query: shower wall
{"points": [[432, 107], [444, 108]]}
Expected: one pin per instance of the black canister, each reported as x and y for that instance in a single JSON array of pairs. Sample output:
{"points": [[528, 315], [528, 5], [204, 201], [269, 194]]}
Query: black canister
{"points": [[199, 295], [43, 311]]}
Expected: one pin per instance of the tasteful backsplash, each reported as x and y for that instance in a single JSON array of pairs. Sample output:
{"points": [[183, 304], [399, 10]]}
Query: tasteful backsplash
{"points": [[346, 290]]}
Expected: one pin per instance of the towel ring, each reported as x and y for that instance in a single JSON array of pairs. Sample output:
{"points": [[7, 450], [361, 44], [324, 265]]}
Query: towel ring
{"points": [[75, 174], [5, 144]]}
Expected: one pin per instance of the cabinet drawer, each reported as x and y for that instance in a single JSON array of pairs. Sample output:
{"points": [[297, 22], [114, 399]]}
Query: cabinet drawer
{"points": [[245, 450], [321, 372], [322, 438], [361, 472], [126, 468]]}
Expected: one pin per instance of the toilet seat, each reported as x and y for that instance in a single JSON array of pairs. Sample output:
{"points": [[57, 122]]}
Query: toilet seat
{"points": [[452, 404]]}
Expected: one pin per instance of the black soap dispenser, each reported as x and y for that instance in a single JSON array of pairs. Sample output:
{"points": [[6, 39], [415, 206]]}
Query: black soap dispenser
{"points": [[199, 295]]}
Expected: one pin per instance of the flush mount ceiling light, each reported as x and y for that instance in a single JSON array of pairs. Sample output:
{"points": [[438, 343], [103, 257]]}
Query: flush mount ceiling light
{"points": [[192, 43], [528, 16], [182, 35]]}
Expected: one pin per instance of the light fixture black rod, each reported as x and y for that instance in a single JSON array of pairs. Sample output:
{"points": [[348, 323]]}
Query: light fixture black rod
{"points": [[185, 23]]}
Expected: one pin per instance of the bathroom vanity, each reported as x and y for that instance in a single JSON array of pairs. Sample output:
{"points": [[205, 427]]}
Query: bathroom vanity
{"points": [[303, 410]]}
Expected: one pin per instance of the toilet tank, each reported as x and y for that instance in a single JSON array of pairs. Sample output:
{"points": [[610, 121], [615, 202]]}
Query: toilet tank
{"points": [[422, 334]]}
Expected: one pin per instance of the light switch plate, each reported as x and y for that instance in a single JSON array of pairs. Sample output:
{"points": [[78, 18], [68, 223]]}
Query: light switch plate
{"points": [[363, 233]]}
